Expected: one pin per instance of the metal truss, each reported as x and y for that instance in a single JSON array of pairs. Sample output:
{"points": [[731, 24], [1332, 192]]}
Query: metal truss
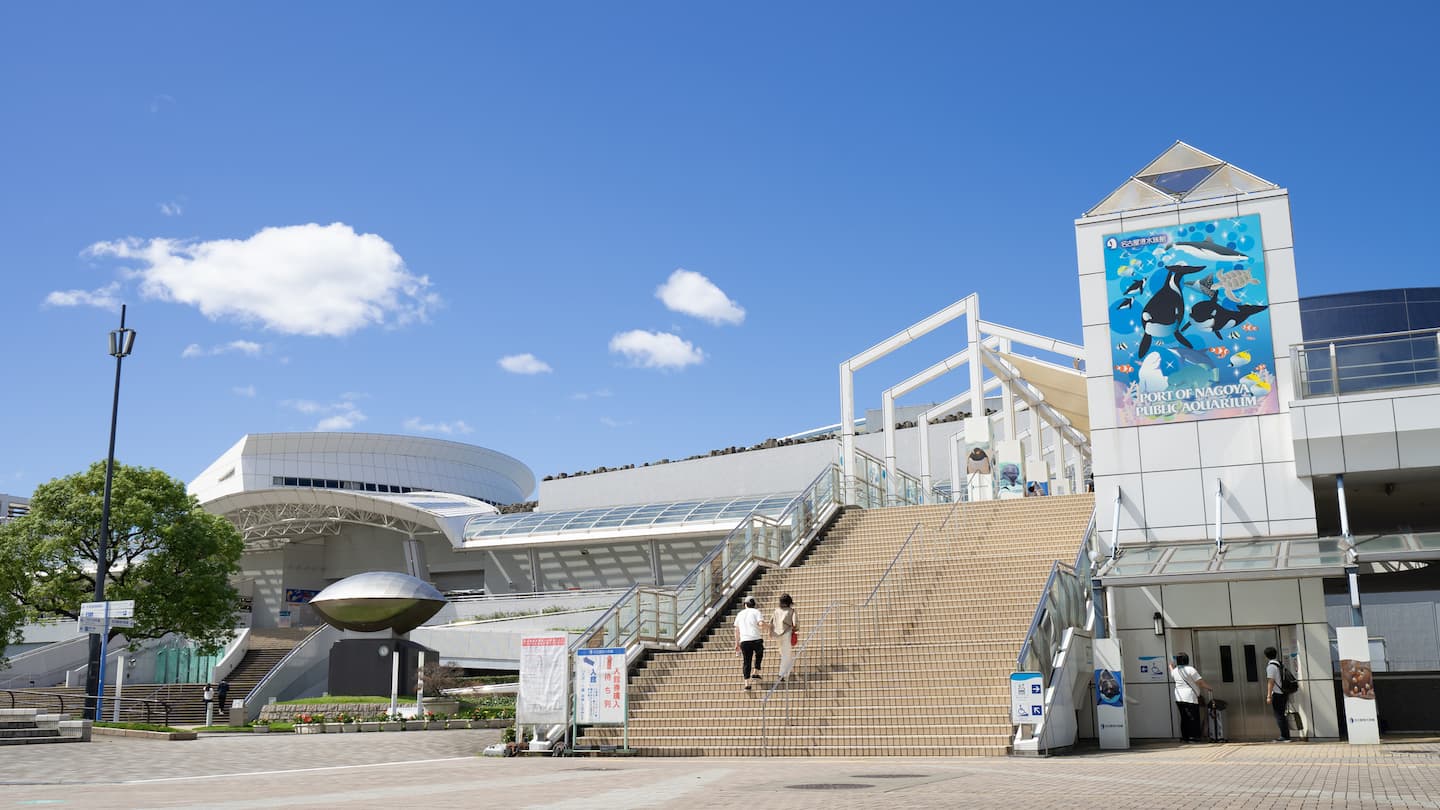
{"points": [[271, 526]]}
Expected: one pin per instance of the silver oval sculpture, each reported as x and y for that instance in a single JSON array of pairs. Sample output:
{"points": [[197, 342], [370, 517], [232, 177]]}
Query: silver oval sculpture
{"points": [[378, 600]]}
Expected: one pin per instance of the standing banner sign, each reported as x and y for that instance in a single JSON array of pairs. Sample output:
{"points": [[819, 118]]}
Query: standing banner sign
{"points": [[601, 690], [1110, 718], [544, 692], [1027, 698], [1357, 684]]}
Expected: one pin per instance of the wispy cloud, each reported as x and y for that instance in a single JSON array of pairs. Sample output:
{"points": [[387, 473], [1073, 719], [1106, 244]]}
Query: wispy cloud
{"points": [[341, 415], [159, 101], [419, 425], [524, 364], [602, 393], [691, 293], [171, 209], [244, 391], [301, 279], [245, 347], [656, 349], [105, 298], [614, 423]]}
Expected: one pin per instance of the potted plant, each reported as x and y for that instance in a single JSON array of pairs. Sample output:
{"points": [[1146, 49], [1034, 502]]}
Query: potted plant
{"points": [[434, 721], [457, 722], [391, 722], [415, 724], [349, 722], [309, 723], [372, 723], [334, 725], [261, 726]]}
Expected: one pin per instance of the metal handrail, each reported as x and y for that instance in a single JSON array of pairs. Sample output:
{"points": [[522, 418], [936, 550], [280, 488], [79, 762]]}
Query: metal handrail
{"points": [[1335, 378], [1044, 607], [81, 700], [285, 659], [1322, 342]]}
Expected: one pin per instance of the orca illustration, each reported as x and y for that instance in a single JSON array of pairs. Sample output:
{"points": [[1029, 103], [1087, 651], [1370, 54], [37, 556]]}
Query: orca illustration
{"points": [[1210, 251], [1210, 314], [1164, 313]]}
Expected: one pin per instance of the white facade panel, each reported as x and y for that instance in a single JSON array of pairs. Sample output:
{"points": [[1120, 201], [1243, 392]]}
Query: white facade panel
{"points": [[1276, 443], [1094, 304], [1263, 602], [1227, 442], [1274, 214], [1197, 604], [1175, 498], [1244, 510], [1115, 450], [1136, 607], [1169, 447], [1288, 496]]}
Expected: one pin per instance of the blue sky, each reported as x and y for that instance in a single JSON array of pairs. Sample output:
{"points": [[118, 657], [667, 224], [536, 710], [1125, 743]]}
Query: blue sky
{"points": [[348, 215]]}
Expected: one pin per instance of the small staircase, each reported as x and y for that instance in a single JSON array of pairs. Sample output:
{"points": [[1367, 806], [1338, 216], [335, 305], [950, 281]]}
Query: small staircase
{"points": [[922, 671], [32, 727]]}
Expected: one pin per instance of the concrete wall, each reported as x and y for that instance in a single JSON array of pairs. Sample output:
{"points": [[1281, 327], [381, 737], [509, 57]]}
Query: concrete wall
{"points": [[756, 472], [1377, 431], [1167, 471]]}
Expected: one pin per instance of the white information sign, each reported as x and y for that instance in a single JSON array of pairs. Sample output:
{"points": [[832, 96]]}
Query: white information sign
{"points": [[92, 615], [544, 688], [600, 684], [1027, 698], [1153, 669], [1357, 685]]}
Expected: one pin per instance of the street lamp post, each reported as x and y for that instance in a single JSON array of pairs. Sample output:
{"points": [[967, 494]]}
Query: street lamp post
{"points": [[122, 340]]}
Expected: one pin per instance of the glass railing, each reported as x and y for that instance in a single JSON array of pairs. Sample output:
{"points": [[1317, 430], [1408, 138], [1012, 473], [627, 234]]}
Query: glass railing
{"points": [[870, 484], [659, 616], [1366, 363], [1064, 603]]}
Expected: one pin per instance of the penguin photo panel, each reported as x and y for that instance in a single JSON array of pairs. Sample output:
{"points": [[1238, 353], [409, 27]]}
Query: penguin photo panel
{"points": [[1190, 322]]}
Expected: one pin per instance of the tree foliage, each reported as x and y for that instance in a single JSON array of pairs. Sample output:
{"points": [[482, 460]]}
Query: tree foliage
{"points": [[165, 552]]}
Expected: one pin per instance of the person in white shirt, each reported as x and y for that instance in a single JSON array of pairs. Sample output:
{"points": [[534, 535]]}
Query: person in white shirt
{"points": [[750, 639], [1188, 685], [1275, 695]]}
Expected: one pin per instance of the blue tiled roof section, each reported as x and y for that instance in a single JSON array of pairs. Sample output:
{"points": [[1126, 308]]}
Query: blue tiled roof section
{"points": [[623, 517]]}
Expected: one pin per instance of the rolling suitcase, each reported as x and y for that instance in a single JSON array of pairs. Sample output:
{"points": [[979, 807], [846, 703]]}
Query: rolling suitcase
{"points": [[1215, 720]]}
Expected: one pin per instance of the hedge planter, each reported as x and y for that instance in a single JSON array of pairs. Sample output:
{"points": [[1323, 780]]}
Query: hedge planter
{"points": [[349, 728], [310, 728], [260, 729], [392, 725], [415, 725], [334, 728], [434, 725], [369, 726]]}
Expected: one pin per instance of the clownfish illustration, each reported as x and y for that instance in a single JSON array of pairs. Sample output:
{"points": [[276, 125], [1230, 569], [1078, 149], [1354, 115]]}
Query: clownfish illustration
{"points": [[1219, 351], [1250, 327], [1124, 368]]}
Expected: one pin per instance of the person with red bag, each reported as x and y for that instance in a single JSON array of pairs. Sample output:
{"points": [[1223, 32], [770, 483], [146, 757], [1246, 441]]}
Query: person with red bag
{"points": [[785, 628]]}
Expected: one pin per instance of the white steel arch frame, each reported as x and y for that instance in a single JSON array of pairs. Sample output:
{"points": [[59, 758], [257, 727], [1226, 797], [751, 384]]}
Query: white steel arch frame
{"points": [[981, 335]]}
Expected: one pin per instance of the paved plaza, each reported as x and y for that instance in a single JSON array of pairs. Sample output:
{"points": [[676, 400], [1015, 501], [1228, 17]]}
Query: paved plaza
{"points": [[442, 769]]}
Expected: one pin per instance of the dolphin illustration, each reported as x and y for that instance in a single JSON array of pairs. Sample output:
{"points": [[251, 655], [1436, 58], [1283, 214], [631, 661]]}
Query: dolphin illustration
{"points": [[1164, 314], [1211, 252]]}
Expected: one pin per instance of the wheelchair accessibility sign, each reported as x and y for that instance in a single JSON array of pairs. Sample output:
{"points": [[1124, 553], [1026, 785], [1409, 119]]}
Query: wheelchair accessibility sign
{"points": [[1027, 698]]}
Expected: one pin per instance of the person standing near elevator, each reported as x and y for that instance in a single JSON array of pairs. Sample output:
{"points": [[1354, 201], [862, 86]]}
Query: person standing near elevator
{"points": [[1275, 693], [1188, 698]]}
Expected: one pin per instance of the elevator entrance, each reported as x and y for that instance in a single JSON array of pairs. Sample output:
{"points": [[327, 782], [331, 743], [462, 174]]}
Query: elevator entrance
{"points": [[1233, 662]]}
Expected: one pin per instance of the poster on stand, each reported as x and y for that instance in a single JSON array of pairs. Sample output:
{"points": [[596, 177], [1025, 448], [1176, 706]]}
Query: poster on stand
{"points": [[600, 684], [1357, 685], [544, 682], [1189, 313], [1009, 469]]}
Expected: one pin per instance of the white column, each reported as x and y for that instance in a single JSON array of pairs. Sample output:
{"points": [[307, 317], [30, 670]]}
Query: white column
{"points": [[924, 425], [1007, 397], [972, 337], [887, 410], [847, 431]]}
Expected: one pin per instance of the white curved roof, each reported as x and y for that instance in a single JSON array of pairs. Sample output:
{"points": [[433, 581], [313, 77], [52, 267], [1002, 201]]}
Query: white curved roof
{"points": [[364, 462], [269, 518]]}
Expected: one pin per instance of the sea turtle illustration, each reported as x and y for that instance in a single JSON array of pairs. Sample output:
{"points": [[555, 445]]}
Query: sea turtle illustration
{"points": [[1233, 280]]}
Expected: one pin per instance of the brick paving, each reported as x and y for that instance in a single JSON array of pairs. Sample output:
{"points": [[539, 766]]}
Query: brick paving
{"points": [[427, 768]]}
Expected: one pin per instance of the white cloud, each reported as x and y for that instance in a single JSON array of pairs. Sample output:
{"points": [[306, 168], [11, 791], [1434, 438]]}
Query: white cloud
{"points": [[160, 100], [171, 209], [656, 349], [244, 391], [104, 298], [246, 347], [584, 395], [342, 415], [299, 279], [691, 293], [525, 364], [418, 425]]}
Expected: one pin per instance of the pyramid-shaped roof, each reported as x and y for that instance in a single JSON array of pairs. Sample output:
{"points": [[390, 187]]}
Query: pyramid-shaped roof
{"points": [[1181, 173]]}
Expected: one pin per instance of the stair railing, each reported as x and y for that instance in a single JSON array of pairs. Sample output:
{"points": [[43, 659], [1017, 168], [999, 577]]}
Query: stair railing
{"points": [[1065, 609], [841, 625], [309, 652]]}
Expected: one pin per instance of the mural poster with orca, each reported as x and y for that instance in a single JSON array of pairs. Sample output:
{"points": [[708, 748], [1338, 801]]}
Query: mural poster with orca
{"points": [[1190, 322]]}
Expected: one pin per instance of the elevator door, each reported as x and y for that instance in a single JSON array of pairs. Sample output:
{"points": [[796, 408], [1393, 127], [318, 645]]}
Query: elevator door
{"points": [[1233, 663]]}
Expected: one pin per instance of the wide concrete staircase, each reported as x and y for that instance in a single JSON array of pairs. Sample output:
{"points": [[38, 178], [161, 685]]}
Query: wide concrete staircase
{"points": [[922, 670], [31, 727]]}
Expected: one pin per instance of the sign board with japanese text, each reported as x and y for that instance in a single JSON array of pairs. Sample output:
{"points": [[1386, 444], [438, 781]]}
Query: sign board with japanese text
{"points": [[600, 686], [544, 693]]}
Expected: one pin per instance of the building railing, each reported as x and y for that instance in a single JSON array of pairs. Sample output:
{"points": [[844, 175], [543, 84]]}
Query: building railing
{"points": [[307, 654], [1327, 368], [669, 617], [1064, 603], [154, 709]]}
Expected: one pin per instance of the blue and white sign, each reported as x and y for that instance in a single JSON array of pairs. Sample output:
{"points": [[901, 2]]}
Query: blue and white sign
{"points": [[1027, 698], [600, 686], [1153, 669]]}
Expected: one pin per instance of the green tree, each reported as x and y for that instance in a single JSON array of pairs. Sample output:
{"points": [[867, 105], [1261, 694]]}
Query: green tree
{"points": [[165, 552]]}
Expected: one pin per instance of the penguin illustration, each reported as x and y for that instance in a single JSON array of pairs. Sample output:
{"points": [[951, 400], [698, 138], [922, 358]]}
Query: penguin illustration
{"points": [[1164, 313], [1135, 286]]}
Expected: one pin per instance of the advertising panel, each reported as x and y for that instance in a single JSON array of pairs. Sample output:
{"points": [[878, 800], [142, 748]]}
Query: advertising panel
{"points": [[544, 688], [600, 684], [1190, 322]]}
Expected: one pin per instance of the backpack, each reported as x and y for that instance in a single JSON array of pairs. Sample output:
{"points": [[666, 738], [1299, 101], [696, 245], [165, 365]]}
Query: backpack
{"points": [[1289, 684]]}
